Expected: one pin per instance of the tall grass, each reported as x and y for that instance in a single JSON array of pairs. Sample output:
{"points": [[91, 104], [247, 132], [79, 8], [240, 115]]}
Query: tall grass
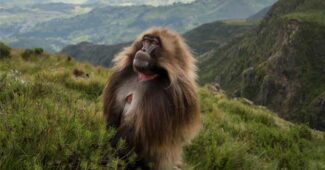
{"points": [[236, 135], [51, 119]]}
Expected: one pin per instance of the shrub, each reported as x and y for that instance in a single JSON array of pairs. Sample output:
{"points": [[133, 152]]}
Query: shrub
{"points": [[27, 54], [38, 51], [78, 73], [4, 51]]}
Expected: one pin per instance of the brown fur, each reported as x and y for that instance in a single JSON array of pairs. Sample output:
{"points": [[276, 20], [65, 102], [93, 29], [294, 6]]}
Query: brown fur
{"points": [[165, 115]]}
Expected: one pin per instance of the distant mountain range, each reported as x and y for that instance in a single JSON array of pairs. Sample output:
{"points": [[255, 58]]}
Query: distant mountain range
{"points": [[220, 33], [201, 39], [21, 19], [89, 2], [112, 24], [137, 2]]}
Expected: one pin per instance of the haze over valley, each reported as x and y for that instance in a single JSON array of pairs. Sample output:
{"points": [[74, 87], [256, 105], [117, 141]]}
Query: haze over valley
{"points": [[53, 26]]}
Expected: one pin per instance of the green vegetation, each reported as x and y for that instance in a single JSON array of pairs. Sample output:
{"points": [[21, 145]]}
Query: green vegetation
{"points": [[4, 51], [29, 53], [217, 34], [310, 11], [279, 64], [238, 135], [312, 16], [52, 119], [95, 54]]}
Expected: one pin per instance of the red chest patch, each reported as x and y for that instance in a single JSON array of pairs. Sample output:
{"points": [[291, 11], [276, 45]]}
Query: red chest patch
{"points": [[129, 98]]}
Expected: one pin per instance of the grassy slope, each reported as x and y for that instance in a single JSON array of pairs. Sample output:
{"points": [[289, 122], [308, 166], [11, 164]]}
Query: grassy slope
{"points": [[52, 120], [49, 118]]}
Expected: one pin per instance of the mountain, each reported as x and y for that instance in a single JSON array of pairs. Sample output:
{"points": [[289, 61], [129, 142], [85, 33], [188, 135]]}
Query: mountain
{"points": [[20, 19], [57, 7], [280, 64], [261, 14], [220, 33], [52, 119], [136, 2], [92, 2], [115, 24], [17, 2], [95, 54], [217, 34]]}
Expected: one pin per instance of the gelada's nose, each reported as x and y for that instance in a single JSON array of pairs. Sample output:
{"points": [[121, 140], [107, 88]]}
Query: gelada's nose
{"points": [[142, 60]]}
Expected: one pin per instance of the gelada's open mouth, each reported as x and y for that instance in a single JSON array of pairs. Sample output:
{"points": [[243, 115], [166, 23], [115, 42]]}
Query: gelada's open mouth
{"points": [[146, 77]]}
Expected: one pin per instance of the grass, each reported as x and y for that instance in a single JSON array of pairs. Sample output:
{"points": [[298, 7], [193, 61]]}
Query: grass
{"points": [[52, 119], [317, 16], [238, 135]]}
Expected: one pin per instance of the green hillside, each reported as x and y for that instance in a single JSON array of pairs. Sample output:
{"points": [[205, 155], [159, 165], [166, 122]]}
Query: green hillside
{"points": [[93, 53], [280, 64], [217, 34], [51, 119]]}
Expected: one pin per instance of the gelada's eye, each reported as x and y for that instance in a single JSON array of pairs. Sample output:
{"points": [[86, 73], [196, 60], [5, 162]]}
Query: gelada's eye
{"points": [[155, 43], [145, 41]]}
